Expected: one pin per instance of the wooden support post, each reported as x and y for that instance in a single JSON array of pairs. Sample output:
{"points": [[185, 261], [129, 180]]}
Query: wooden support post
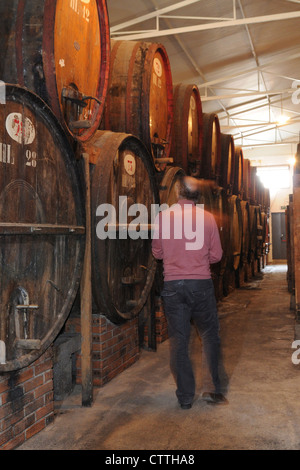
{"points": [[86, 299], [151, 321]]}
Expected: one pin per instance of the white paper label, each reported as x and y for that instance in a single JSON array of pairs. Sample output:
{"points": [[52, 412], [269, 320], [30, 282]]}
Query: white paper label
{"points": [[18, 130]]}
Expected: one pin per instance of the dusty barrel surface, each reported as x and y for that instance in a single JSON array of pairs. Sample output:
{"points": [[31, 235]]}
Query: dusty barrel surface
{"points": [[220, 211], [252, 185], [246, 178], [238, 172], [206, 194], [168, 185], [140, 96], [236, 231], [122, 184], [211, 153], [245, 257], [227, 162], [256, 232], [41, 228], [186, 149], [60, 50]]}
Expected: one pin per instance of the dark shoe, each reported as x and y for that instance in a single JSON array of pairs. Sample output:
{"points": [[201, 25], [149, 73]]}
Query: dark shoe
{"points": [[185, 406], [214, 398]]}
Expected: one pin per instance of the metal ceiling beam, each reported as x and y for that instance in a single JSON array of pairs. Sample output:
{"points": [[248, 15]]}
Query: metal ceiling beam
{"points": [[271, 144], [189, 57], [259, 126], [205, 27], [252, 93], [278, 60], [254, 108], [154, 14]]}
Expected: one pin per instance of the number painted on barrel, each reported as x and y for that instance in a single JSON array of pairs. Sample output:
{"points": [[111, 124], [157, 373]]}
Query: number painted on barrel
{"points": [[30, 158], [74, 5], [5, 154]]}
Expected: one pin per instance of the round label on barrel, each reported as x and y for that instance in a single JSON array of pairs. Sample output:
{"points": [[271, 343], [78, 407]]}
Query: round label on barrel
{"points": [[157, 67], [19, 129], [129, 164]]}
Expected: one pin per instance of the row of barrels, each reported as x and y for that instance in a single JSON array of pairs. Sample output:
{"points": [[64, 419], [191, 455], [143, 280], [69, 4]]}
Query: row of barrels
{"points": [[291, 217], [68, 91]]}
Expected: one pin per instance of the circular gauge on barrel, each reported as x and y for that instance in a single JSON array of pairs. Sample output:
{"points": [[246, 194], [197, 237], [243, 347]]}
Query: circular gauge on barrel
{"points": [[41, 228]]}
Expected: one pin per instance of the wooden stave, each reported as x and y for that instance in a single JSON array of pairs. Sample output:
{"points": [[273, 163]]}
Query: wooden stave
{"points": [[33, 52], [53, 312], [127, 107], [189, 161], [107, 144], [238, 172], [227, 162], [210, 169]]}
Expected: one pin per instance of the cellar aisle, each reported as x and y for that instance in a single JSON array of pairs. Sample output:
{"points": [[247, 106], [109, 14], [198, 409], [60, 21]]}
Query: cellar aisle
{"points": [[138, 409]]}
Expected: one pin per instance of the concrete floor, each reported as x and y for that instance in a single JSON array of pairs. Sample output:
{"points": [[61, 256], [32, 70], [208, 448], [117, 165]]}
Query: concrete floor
{"points": [[138, 410]]}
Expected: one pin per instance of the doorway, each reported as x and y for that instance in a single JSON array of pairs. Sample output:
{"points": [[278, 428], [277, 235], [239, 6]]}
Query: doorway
{"points": [[278, 235]]}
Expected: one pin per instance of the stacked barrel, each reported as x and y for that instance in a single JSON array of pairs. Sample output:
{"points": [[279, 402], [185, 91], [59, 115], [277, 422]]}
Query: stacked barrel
{"points": [[82, 93], [55, 102], [292, 230]]}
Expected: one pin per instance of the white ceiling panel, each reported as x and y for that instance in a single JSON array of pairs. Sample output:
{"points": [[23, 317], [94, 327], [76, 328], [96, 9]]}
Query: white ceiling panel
{"points": [[244, 55]]}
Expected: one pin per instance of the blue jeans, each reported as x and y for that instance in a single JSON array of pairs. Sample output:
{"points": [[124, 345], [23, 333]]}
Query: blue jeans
{"points": [[185, 300]]}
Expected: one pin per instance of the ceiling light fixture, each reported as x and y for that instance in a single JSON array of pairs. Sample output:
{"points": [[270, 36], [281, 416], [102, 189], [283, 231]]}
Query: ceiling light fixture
{"points": [[282, 118]]}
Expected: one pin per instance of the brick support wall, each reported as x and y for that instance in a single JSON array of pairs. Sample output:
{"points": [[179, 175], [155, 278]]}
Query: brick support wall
{"points": [[26, 401], [114, 348]]}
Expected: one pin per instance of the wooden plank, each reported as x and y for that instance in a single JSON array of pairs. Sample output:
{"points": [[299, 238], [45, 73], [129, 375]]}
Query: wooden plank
{"points": [[296, 237], [86, 300]]}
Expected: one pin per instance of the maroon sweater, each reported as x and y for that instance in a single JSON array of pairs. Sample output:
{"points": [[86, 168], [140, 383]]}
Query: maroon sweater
{"points": [[183, 257]]}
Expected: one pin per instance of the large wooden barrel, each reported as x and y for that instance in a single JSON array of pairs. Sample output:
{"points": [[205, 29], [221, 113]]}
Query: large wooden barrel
{"points": [[246, 178], [245, 257], [123, 183], [252, 185], [140, 96], [220, 211], [265, 232], [227, 162], [167, 185], [41, 228], [211, 154], [186, 148], [60, 50], [207, 188], [260, 232], [238, 172], [259, 192], [255, 232], [236, 231]]}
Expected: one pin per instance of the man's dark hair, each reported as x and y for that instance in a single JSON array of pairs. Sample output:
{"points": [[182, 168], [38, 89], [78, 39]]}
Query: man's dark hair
{"points": [[186, 191]]}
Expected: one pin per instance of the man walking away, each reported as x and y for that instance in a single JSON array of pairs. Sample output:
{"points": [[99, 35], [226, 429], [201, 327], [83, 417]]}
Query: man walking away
{"points": [[186, 238]]}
